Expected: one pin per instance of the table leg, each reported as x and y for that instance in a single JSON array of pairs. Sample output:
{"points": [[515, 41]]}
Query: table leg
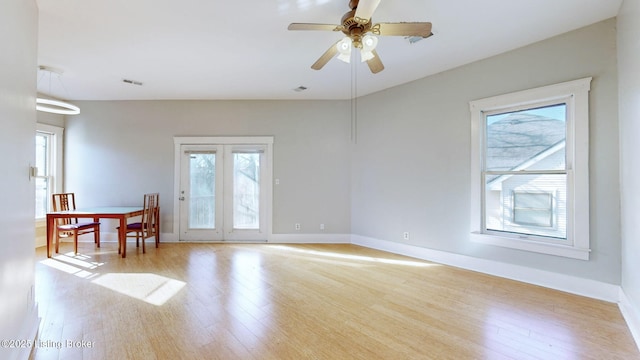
{"points": [[122, 236], [157, 227], [49, 234], [96, 236]]}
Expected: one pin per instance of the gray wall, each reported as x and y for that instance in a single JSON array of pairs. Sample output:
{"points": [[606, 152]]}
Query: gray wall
{"points": [[116, 151], [629, 98], [411, 169], [50, 119], [18, 41]]}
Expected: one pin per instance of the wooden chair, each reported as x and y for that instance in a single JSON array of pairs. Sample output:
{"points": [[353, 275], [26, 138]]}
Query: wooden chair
{"points": [[149, 223], [71, 227]]}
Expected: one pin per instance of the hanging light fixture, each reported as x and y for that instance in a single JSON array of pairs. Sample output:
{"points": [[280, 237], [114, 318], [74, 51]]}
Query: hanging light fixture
{"points": [[369, 43], [50, 105], [344, 48]]}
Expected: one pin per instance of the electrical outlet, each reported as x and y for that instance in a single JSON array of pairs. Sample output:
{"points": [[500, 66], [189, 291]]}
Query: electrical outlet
{"points": [[405, 235], [322, 227], [297, 226]]}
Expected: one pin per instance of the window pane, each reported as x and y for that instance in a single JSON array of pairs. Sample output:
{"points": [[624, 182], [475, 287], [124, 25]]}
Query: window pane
{"points": [[531, 139], [533, 208], [42, 197], [202, 191], [42, 150], [43, 192], [246, 190], [527, 204]]}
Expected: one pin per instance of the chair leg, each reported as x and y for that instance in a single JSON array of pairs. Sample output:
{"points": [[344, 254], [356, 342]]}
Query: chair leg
{"points": [[144, 250], [96, 233], [75, 242], [157, 229]]}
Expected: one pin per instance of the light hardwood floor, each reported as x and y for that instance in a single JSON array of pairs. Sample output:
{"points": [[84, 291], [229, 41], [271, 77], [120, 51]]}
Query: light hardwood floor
{"points": [[241, 301]]}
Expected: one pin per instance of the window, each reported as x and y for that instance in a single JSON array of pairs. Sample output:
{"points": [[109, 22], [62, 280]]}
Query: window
{"points": [[530, 170], [535, 209], [48, 166]]}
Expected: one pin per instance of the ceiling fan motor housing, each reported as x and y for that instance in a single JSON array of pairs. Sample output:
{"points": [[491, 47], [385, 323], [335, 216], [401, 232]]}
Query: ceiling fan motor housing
{"points": [[356, 24], [354, 29]]}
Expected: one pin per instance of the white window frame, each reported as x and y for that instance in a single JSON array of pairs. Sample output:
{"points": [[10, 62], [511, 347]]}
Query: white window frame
{"points": [[55, 159], [576, 95]]}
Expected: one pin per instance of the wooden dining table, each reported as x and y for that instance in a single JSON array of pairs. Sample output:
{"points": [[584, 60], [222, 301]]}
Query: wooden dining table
{"points": [[121, 213]]}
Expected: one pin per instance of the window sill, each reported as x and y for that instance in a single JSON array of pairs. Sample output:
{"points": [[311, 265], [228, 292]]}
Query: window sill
{"points": [[532, 246]]}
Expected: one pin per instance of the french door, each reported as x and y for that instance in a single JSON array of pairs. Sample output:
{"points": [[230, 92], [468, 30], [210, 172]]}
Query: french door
{"points": [[223, 192]]}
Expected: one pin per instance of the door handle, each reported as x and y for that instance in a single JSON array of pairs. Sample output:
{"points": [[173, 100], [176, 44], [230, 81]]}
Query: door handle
{"points": [[181, 198]]}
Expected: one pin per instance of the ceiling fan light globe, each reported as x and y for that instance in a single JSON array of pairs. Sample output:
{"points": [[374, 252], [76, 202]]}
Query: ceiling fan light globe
{"points": [[344, 48], [369, 42], [344, 45]]}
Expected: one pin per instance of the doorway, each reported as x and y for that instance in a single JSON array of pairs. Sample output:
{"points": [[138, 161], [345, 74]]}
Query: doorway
{"points": [[224, 188]]}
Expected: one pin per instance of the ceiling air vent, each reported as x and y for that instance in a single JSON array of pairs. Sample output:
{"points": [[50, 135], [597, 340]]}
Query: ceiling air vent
{"points": [[414, 39], [132, 82]]}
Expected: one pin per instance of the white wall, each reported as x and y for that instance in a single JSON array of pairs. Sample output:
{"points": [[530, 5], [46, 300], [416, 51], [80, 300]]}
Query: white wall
{"points": [[18, 41], [629, 112], [50, 119], [118, 150], [411, 164]]}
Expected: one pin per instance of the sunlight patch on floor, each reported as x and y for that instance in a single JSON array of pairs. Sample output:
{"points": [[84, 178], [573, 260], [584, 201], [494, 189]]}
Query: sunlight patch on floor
{"points": [[151, 288], [336, 255], [78, 265]]}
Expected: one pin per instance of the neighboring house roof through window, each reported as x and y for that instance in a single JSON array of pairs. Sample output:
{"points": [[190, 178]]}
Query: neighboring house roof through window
{"points": [[517, 139]]}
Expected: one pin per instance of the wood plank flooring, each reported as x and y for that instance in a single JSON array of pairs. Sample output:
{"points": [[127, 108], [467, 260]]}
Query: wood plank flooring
{"points": [[246, 301]]}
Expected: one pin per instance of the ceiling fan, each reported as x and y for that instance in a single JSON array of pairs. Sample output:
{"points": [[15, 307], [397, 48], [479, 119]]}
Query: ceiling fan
{"points": [[361, 34]]}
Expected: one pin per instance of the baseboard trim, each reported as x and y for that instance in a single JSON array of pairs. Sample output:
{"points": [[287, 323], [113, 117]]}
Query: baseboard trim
{"points": [[571, 284], [631, 316]]}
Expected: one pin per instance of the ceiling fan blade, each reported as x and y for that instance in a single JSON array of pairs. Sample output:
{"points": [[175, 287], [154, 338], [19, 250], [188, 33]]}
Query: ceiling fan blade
{"points": [[403, 29], [375, 64], [309, 26], [365, 10], [324, 59]]}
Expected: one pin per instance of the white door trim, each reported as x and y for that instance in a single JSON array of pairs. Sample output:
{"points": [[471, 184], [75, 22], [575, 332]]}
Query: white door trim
{"points": [[179, 141]]}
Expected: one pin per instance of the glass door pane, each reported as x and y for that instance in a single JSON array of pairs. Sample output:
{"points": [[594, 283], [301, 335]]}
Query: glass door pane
{"points": [[202, 190], [223, 192], [246, 190]]}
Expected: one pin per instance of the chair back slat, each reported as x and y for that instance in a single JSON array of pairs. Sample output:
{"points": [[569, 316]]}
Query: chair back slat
{"points": [[150, 215], [67, 202], [64, 202]]}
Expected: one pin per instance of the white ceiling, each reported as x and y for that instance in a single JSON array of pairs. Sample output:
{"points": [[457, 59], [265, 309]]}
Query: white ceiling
{"points": [[230, 49]]}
